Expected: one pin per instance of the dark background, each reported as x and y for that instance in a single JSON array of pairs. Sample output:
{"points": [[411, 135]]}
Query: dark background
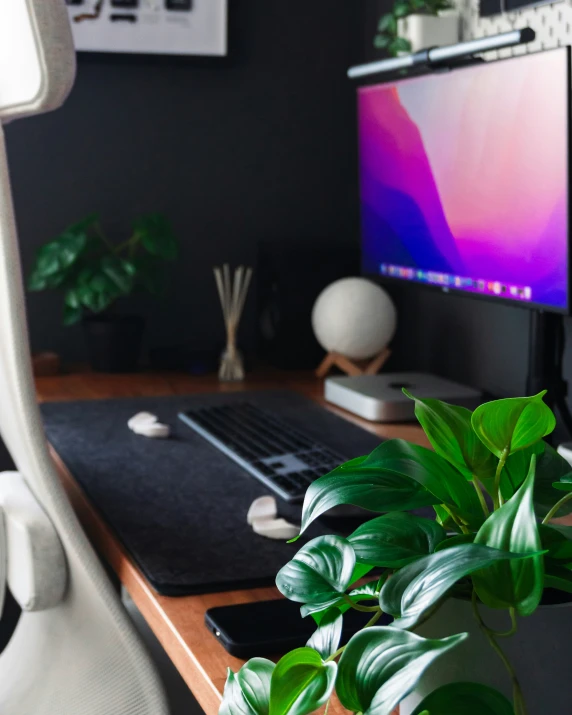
{"points": [[259, 147]]}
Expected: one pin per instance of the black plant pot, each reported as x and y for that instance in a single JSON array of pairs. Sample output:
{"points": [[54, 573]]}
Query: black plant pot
{"points": [[114, 341]]}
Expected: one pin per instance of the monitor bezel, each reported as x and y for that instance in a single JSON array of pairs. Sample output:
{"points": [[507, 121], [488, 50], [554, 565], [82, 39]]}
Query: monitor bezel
{"points": [[451, 290]]}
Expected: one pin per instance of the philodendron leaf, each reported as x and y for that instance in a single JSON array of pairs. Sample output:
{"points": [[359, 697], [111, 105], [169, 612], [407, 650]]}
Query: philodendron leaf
{"points": [[557, 540], [326, 639], [394, 540], [449, 430], [381, 665], [513, 424], [430, 470], [516, 469], [339, 601], [301, 683], [413, 592], [565, 483], [557, 576], [248, 691], [456, 540], [517, 584], [551, 468], [320, 572], [377, 487], [465, 698]]}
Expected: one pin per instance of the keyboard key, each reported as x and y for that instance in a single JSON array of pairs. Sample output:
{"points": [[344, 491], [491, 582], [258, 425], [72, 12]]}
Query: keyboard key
{"points": [[251, 435]]}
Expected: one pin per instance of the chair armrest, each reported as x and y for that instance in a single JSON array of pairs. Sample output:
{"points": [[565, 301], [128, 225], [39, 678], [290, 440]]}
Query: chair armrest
{"points": [[35, 563]]}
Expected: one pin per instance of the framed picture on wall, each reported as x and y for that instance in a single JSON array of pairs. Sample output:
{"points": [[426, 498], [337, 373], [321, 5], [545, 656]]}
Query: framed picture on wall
{"points": [[496, 7], [160, 27]]}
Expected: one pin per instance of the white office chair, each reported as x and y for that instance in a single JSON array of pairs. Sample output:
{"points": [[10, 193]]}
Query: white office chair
{"points": [[74, 650]]}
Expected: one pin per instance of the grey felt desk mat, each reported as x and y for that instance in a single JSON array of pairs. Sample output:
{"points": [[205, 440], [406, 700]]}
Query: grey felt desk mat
{"points": [[179, 505]]}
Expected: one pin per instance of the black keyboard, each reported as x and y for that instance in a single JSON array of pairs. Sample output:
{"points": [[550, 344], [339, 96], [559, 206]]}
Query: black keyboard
{"points": [[273, 451]]}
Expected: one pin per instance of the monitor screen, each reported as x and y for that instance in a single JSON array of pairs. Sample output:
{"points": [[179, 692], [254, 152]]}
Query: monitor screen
{"points": [[464, 179]]}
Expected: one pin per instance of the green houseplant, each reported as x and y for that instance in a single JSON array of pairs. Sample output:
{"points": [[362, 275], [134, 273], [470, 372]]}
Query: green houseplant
{"points": [[387, 37], [93, 273], [494, 485]]}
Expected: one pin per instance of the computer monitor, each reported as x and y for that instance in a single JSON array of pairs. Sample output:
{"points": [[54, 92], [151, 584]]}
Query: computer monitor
{"points": [[464, 179]]}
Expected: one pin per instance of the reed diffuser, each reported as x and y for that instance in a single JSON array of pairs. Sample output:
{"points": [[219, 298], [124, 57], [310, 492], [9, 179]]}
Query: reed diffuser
{"points": [[232, 294]]}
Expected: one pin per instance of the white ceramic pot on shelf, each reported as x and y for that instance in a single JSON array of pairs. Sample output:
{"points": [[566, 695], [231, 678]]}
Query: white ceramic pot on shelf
{"points": [[540, 652], [425, 31]]}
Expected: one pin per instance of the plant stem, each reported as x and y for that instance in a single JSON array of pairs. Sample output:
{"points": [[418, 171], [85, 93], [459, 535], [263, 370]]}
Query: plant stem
{"points": [[357, 607], [497, 496], [552, 513], [375, 619], [371, 622], [455, 518], [126, 244], [103, 237], [481, 496], [335, 655], [518, 699]]}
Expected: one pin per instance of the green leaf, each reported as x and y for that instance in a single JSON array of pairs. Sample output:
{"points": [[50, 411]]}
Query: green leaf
{"points": [[382, 665], [565, 483], [398, 45], [516, 469], [72, 315], [378, 486], [37, 281], [301, 683], [551, 467], [326, 639], [517, 584], [387, 23], [367, 592], [557, 576], [380, 42], [119, 272], [412, 593], [449, 429], [157, 236], [430, 470], [395, 539], [320, 571], [455, 541], [248, 691], [513, 424], [557, 540], [465, 698], [401, 9]]}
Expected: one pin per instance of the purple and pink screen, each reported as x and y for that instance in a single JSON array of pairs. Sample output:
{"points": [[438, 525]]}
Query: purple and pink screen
{"points": [[464, 179]]}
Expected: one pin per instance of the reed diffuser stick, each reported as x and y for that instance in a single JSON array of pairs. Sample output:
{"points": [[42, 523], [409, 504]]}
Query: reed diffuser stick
{"points": [[232, 294]]}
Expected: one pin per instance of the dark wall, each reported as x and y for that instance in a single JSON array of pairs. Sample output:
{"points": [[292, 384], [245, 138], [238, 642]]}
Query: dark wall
{"points": [[262, 147]]}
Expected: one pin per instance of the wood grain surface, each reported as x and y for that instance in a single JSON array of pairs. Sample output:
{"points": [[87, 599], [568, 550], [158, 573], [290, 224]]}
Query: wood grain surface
{"points": [[178, 623]]}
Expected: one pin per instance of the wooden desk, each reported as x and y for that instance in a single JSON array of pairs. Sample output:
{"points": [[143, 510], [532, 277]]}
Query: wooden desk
{"points": [[178, 622]]}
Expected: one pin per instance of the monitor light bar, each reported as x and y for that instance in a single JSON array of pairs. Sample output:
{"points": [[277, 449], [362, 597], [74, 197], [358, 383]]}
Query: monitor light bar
{"points": [[442, 55]]}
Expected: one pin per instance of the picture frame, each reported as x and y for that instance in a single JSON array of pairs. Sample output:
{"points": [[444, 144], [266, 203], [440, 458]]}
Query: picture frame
{"points": [[196, 28]]}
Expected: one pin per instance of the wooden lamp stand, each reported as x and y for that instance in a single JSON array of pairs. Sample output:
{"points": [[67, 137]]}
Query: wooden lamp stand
{"points": [[353, 367]]}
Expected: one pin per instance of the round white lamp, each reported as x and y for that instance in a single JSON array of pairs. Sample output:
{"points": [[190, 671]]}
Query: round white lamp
{"points": [[354, 319]]}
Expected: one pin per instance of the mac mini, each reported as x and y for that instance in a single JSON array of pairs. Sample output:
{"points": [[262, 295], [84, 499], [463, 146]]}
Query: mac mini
{"points": [[380, 398]]}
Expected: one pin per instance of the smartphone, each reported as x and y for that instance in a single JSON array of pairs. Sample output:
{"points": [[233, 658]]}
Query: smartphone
{"points": [[267, 628]]}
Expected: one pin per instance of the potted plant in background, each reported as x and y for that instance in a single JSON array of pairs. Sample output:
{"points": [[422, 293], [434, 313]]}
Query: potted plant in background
{"points": [[93, 274], [490, 568], [414, 25]]}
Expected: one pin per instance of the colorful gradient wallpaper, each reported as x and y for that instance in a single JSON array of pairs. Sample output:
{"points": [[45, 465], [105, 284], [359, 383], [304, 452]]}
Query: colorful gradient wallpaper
{"points": [[464, 178]]}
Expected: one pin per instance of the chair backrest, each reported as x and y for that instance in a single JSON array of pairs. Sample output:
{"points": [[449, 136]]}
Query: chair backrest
{"points": [[81, 654]]}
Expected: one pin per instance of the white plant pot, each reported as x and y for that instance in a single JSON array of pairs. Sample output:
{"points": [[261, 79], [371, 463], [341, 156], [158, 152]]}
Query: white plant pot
{"points": [[425, 31], [540, 652]]}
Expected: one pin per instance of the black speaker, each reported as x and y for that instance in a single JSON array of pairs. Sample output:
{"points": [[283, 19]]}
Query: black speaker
{"points": [[290, 278]]}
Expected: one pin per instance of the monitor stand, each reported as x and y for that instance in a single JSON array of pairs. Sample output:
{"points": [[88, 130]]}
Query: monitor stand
{"points": [[380, 398], [545, 359]]}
